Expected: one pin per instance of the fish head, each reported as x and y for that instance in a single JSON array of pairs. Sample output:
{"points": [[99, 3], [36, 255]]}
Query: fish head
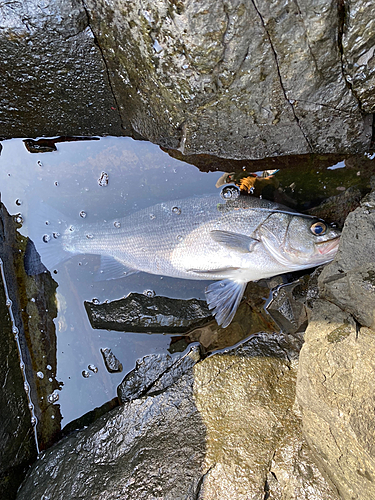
{"points": [[299, 241]]}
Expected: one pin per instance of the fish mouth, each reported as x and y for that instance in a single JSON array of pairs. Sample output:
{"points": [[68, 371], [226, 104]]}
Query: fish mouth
{"points": [[328, 247]]}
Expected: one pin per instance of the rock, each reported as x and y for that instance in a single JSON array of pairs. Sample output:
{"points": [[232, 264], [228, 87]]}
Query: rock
{"points": [[230, 78], [156, 372], [34, 309], [112, 364], [18, 447], [221, 427], [140, 313], [54, 79], [334, 385], [336, 394], [349, 280], [358, 45], [233, 79]]}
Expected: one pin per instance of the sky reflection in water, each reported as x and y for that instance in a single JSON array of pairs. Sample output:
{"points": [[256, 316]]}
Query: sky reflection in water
{"points": [[139, 175]]}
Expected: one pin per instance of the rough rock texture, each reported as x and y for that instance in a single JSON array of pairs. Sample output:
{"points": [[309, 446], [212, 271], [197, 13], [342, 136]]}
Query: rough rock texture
{"points": [[53, 78], [335, 380], [358, 46], [140, 313], [17, 442], [230, 78], [34, 308], [225, 427]]}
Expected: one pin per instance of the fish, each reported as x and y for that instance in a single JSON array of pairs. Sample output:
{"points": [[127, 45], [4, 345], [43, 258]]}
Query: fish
{"points": [[229, 241]]}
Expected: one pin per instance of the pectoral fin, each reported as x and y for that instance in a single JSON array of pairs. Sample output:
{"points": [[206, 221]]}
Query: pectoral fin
{"points": [[234, 241], [224, 297], [111, 269]]}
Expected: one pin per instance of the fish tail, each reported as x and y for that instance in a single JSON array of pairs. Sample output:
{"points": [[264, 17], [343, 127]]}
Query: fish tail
{"points": [[223, 298], [48, 230]]}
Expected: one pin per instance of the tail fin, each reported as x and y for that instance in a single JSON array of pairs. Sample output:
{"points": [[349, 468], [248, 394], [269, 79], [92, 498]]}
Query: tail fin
{"points": [[46, 230], [224, 297]]}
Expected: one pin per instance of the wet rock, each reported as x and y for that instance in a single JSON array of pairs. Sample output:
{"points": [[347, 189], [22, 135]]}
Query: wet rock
{"points": [[17, 441], [34, 309], [358, 45], [155, 373], [140, 313], [54, 80], [192, 76], [222, 427], [334, 386], [349, 280], [112, 364], [336, 394]]}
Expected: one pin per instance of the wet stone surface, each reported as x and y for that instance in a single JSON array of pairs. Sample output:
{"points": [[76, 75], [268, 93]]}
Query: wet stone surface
{"points": [[111, 362], [141, 313]]}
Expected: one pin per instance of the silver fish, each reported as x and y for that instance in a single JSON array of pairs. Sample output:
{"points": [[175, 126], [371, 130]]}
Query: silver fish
{"points": [[200, 238]]}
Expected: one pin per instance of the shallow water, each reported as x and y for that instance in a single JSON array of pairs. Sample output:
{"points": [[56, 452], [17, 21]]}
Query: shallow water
{"points": [[73, 181], [139, 175]]}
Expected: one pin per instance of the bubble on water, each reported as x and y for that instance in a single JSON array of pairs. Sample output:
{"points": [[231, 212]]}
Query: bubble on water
{"points": [[55, 235], [46, 238], [56, 183], [52, 398], [230, 192], [89, 236], [176, 210], [95, 301], [152, 216], [8, 303], [93, 368], [82, 214], [18, 202], [71, 228], [103, 179], [39, 163], [26, 387], [33, 421], [40, 375], [85, 374], [50, 379], [179, 237], [222, 284], [31, 406], [18, 218], [49, 367], [149, 293], [47, 223], [117, 223], [52, 416], [15, 330]]}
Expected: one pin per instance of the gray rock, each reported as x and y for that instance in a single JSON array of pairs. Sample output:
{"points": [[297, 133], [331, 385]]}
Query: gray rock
{"points": [[349, 280], [231, 78], [358, 45], [155, 373], [54, 80], [111, 362], [221, 427], [336, 394], [334, 385], [140, 313]]}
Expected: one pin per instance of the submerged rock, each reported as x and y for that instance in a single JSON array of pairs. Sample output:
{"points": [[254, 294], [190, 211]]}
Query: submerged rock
{"points": [[221, 427], [139, 313], [111, 362]]}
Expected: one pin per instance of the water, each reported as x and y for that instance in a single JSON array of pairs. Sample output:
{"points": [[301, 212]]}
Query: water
{"points": [[107, 179], [95, 181]]}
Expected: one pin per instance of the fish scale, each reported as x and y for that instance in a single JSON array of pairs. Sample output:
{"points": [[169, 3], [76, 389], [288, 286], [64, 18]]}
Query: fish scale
{"points": [[204, 238]]}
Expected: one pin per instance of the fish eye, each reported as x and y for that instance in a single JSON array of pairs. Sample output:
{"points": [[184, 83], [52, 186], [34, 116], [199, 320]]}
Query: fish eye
{"points": [[318, 228]]}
